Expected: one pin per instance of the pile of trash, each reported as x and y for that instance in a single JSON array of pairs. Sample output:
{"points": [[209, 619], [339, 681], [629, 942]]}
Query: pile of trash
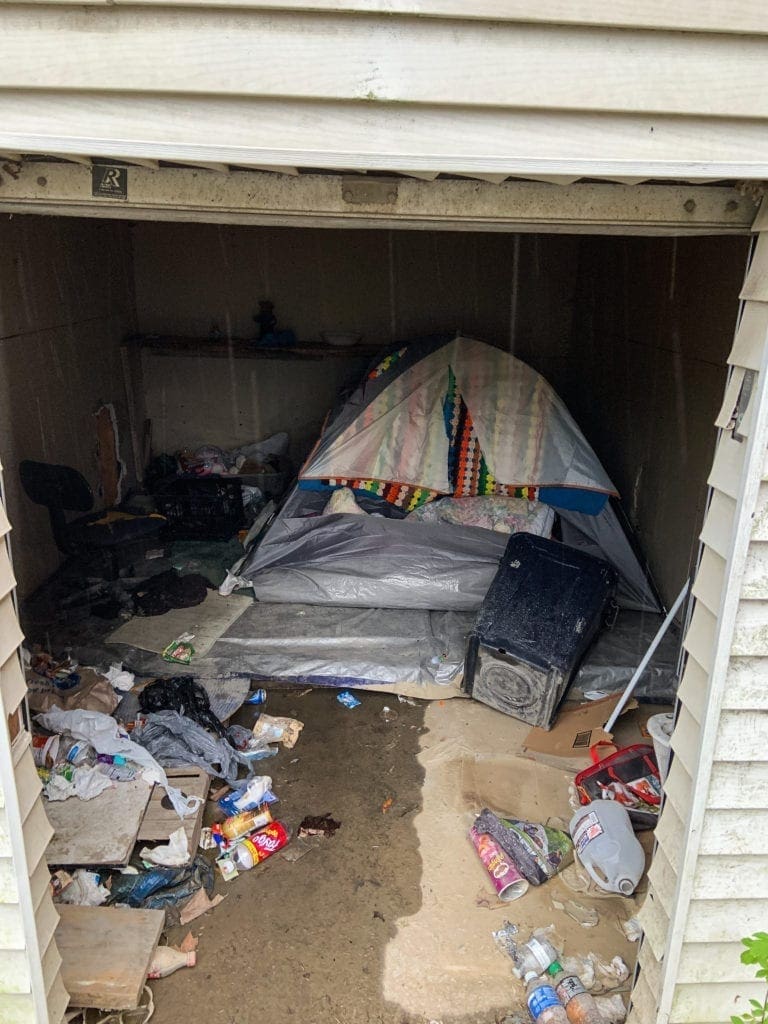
{"points": [[95, 732]]}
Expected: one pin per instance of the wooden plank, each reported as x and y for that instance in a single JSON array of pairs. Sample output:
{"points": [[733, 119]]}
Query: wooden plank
{"points": [[743, 16], [376, 136], [106, 952], [384, 59], [160, 819], [101, 831]]}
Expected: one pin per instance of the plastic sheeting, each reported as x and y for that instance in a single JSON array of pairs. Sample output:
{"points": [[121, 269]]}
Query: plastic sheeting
{"points": [[324, 646], [176, 741]]}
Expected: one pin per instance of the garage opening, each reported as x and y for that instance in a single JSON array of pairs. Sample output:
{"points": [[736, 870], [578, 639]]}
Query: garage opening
{"points": [[168, 381]]}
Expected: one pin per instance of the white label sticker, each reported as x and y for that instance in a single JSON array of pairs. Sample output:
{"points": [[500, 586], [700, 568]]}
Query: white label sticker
{"points": [[587, 829]]}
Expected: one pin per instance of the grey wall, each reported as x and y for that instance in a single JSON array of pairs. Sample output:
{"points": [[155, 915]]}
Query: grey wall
{"points": [[386, 285], [66, 301], [644, 375]]}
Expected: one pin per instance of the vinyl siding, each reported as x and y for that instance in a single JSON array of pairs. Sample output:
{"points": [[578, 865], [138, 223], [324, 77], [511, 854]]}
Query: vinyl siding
{"points": [[31, 990], [708, 884], [557, 91]]}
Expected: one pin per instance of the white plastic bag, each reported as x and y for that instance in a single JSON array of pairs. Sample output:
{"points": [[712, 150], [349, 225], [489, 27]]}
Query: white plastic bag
{"points": [[106, 737], [172, 854]]}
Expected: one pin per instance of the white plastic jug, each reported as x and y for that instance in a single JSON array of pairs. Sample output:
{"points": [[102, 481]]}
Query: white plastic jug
{"points": [[607, 846]]}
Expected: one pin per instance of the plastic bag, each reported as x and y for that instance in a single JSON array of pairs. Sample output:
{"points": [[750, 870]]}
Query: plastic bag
{"points": [[162, 886], [182, 694], [177, 741], [538, 851], [85, 890], [106, 737], [174, 853]]}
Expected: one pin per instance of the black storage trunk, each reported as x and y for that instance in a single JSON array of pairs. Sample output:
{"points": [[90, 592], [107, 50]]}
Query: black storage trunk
{"points": [[201, 508], [541, 613]]}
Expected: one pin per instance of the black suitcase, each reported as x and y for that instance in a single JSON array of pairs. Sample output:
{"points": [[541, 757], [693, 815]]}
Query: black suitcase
{"points": [[543, 609]]}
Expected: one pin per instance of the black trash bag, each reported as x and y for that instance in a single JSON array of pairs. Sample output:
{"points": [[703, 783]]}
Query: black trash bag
{"points": [[161, 887], [182, 694], [167, 590]]}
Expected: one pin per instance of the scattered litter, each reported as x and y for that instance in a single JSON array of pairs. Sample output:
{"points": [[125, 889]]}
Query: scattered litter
{"points": [[64, 781], [596, 694], [84, 890], [278, 730], [321, 825], [252, 850], [388, 714], [506, 878], [241, 824], [504, 938], [174, 853], [607, 846], [386, 805], [180, 651], [587, 917], [595, 974], [631, 929], [162, 887], [305, 692], [206, 841], [295, 760], [246, 797], [185, 695], [198, 904], [120, 678], [537, 954], [297, 850], [348, 699], [58, 882], [612, 1008], [537, 851], [258, 697], [406, 700], [378, 916], [168, 959]]}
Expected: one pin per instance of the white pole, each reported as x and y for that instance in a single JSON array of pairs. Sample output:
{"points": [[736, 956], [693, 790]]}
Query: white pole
{"points": [[647, 657]]}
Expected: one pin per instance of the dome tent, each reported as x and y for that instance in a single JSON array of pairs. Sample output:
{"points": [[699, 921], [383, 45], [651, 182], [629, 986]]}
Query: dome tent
{"points": [[444, 417]]}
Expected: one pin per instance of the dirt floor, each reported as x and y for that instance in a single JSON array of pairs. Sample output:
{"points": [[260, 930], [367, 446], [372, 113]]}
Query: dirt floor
{"points": [[389, 921]]}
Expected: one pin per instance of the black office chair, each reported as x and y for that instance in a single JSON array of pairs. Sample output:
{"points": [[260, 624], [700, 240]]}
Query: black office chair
{"points": [[114, 533]]}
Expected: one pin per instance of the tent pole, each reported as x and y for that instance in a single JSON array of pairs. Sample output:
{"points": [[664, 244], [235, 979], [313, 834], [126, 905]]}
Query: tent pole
{"points": [[647, 657]]}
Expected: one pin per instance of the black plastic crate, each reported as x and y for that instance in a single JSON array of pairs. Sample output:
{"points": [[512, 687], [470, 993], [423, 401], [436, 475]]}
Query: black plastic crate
{"points": [[208, 507]]}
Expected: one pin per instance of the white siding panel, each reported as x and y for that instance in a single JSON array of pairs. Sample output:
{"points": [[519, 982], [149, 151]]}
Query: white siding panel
{"points": [[727, 465], [377, 135], [11, 927], [712, 1003], [663, 877], [738, 878], [655, 923], [17, 1009], [392, 60], [747, 684], [670, 834], [756, 284], [718, 523], [14, 971], [643, 1009], [753, 328], [700, 636], [724, 920], [742, 736], [686, 740], [708, 585], [741, 785], [751, 631], [693, 688], [734, 833], [12, 684], [755, 586], [760, 518], [696, 969], [677, 788]]}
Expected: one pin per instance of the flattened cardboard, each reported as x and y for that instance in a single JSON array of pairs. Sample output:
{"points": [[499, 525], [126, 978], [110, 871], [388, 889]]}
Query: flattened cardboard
{"points": [[567, 744]]}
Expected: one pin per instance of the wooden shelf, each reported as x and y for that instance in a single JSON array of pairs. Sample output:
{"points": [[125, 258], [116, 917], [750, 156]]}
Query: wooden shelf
{"points": [[244, 348]]}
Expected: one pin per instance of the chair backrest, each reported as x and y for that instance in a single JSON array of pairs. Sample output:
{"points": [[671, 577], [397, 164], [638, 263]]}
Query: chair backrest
{"points": [[56, 487]]}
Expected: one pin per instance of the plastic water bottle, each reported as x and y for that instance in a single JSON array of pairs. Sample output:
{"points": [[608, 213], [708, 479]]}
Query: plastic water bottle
{"points": [[543, 1004], [534, 957], [607, 846], [580, 1006]]}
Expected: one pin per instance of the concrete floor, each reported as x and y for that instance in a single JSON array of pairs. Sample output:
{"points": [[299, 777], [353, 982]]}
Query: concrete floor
{"points": [[389, 921]]}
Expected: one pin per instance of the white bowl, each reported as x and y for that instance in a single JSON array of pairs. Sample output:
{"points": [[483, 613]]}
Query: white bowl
{"points": [[341, 339]]}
